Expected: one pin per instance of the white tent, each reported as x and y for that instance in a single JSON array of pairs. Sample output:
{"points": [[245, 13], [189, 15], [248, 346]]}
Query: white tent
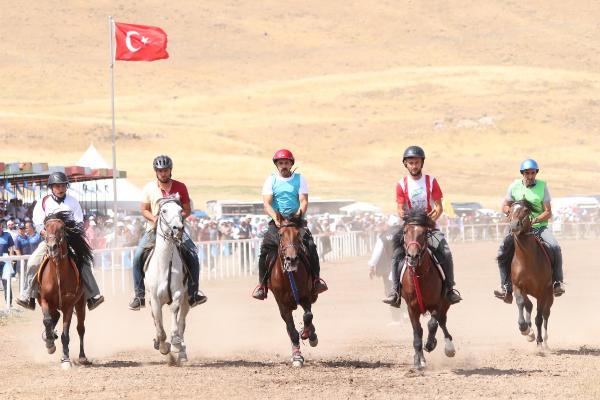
{"points": [[90, 193], [359, 207]]}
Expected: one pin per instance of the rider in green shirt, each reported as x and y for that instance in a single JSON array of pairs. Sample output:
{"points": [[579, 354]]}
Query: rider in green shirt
{"points": [[536, 192]]}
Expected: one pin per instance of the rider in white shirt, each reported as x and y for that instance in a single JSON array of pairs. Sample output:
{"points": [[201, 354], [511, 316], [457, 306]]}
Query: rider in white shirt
{"points": [[55, 202]]}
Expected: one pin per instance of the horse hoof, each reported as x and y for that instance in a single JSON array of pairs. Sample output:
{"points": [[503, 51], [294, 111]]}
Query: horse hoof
{"points": [[182, 356], [305, 334], [449, 349], [531, 336], [65, 364], [172, 359], [297, 363], [430, 346], [51, 349], [84, 361], [524, 330], [313, 342], [166, 349], [156, 344]]}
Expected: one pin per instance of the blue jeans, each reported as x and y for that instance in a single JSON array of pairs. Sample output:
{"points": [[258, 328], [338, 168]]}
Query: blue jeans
{"points": [[190, 257]]}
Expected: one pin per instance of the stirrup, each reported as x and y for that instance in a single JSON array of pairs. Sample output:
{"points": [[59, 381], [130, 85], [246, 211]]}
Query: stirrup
{"points": [[558, 289], [29, 304], [320, 285], [453, 294]]}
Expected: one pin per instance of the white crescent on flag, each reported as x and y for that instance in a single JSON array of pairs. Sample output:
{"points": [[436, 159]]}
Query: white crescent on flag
{"points": [[128, 41]]}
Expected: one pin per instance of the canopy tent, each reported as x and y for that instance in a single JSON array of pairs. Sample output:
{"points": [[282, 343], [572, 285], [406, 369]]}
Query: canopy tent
{"points": [[359, 207], [100, 194]]}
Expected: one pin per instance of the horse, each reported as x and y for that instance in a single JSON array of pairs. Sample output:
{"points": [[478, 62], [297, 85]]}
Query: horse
{"points": [[60, 287], [292, 285], [423, 286], [165, 280], [531, 272]]}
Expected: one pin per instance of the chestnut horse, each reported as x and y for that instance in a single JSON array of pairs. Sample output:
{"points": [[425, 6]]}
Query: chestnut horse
{"points": [[292, 285], [422, 286], [60, 287], [531, 272]]}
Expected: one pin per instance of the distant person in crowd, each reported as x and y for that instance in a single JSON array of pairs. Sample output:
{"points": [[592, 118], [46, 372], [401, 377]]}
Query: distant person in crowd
{"points": [[535, 191], [6, 248], [58, 200], [286, 193], [417, 190], [157, 189]]}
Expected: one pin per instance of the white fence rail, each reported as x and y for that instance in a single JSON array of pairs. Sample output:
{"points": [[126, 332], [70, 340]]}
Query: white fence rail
{"points": [[221, 259]]}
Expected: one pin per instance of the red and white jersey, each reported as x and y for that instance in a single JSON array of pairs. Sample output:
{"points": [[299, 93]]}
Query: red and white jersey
{"points": [[420, 193]]}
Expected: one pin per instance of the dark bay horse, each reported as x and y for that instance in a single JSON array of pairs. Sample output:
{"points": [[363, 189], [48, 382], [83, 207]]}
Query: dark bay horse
{"points": [[60, 286], [292, 285], [423, 287], [531, 272]]}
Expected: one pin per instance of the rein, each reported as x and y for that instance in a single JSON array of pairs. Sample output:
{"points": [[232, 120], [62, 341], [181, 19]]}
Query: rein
{"points": [[413, 271]]}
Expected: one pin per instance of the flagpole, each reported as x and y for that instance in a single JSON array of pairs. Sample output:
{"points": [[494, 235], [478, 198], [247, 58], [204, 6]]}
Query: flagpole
{"points": [[111, 35]]}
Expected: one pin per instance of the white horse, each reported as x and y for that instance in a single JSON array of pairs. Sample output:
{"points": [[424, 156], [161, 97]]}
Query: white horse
{"points": [[164, 280]]}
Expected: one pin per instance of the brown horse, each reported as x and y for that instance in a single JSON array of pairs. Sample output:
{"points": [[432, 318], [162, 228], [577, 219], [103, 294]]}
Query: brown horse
{"points": [[531, 272], [60, 287], [422, 286], [292, 285]]}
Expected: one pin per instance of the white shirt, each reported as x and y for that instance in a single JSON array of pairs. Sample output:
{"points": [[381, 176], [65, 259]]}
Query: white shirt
{"points": [[44, 208]]}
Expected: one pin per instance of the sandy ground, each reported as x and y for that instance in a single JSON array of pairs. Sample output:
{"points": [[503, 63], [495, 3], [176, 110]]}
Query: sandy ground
{"points": [[238, 347]]}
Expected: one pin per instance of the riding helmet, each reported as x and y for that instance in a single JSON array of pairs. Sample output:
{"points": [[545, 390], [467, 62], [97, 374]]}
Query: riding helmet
{"points": [[529, 164], [57, 178], [413, 151], [162, 162], [283, 153]]}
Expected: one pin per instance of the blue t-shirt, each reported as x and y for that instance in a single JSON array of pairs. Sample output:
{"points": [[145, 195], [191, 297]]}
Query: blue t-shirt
{"points": [[6, 241], [27, 244]]}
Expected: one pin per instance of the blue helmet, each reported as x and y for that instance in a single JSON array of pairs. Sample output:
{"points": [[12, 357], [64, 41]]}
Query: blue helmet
{"points": [[529, 164]]}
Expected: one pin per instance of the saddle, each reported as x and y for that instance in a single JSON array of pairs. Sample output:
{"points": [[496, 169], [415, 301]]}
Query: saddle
{"points": [[147, 255], [435, 262], [46, 259]]}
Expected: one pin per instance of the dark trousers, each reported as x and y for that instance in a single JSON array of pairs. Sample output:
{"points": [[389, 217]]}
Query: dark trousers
{"points": [[188, 252]]}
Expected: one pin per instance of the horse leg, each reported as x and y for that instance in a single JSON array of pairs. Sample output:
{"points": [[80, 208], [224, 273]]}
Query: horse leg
{"points": [[538, 323], [80, 311], [419, 360], [64, 337], [160, 341], [49, 323], [520, 300], [176, 337], [546, 315], [449, 349], [528, 310], [309, 331], [183, 312], [432, 326], [288, 318]]}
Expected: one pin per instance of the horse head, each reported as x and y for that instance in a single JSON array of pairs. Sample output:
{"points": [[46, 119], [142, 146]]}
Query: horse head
{"points": [[417, 225], [518, 217], [290, 242], [55, 238], [170, 219]]}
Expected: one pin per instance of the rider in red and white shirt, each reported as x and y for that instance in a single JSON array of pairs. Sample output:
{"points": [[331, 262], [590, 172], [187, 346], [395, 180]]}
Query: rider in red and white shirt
{"points": [[417, 190]]}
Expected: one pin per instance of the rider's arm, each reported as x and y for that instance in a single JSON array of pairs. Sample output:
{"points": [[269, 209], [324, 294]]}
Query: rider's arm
{"points": [[505, 207], [268, 203], [147, 212], [187, 210], [437, 211], [400, 209], [303, 203], [545, 215]]}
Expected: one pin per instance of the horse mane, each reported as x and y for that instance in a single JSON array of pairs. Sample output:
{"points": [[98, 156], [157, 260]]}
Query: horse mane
{"points": [[78, 247], [418, 216], [525, 203]]}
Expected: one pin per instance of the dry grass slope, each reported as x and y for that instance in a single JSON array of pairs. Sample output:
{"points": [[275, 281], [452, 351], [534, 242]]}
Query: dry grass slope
{"points": [[345, 85]]}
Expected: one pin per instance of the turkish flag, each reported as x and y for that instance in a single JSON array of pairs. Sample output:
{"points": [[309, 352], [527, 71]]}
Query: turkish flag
{"points": [[139, 42]]}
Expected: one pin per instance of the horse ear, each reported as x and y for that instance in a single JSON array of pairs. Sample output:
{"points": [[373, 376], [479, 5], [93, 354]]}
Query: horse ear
{"points": [[300, 214], [278, 215]]}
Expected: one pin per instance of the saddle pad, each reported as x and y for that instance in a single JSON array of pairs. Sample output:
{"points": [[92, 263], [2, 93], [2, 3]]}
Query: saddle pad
{"points": [[43, 264]]}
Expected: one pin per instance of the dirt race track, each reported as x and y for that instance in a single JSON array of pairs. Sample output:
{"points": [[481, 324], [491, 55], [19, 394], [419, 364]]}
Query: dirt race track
{"points": [[238, 347]]}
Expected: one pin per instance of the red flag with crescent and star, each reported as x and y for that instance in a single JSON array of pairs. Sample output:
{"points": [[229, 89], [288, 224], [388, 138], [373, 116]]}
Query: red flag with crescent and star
{"points": [[139, 42]]}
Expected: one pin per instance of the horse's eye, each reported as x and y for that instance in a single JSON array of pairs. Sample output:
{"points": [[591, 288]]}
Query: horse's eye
{"points": [[164, 211]]}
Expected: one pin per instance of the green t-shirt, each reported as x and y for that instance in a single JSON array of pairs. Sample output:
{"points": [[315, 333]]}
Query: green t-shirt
{"points": [[537, 195]]}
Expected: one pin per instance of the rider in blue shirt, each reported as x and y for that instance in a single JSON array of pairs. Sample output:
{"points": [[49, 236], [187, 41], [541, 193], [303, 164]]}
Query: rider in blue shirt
{"points": [[286, 193]]}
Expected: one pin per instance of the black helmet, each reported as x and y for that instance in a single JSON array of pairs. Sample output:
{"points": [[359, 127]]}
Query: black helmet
{"points": [[413, 151], [57, 177], [162, 162]]}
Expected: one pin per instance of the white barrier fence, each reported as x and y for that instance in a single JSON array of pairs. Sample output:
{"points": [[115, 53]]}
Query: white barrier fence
{"points": [[218, 260]]}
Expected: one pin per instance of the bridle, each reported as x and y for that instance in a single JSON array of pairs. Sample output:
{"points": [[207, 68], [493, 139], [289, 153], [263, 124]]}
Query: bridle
{"points": [[170, 234], [421, 248], [520, 222], [286, 263], [59, 243]]}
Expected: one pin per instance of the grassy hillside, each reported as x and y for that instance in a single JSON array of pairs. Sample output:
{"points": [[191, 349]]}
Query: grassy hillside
{"points": [[346, 85]]}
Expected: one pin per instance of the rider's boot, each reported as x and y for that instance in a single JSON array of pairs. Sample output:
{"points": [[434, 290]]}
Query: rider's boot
{"points": [[319, 285], [394, 299], [557, 273], [95, 301], [260, 291], [190, 256], [504, 292], [137, 303], [452, 295], [26, 303], [197, 298]]}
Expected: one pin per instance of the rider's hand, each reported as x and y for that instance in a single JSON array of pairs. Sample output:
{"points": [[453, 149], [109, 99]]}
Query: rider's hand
{"points": [[433, 214], [277, 223], [371, 272]]}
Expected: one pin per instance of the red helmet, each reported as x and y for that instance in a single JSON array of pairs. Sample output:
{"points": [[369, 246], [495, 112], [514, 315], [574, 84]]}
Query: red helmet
{"points": [[283, 153]]}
